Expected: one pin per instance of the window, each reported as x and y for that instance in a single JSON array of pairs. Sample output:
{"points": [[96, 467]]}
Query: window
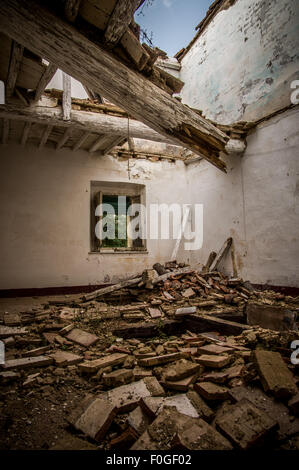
{"points": [[117, 217]]}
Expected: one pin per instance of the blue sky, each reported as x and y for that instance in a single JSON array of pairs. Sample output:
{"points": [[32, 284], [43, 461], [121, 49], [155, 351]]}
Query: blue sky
{"points": [[172, 22]]}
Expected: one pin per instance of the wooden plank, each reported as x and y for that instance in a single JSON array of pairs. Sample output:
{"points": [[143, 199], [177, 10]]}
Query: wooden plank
{"points": [[14, 67], [103, 73], [5, 130], [120, 19], [106, 290], [64, 138], [25, 133], [45, 136], [98, 142], [44, 80], [66, 98]]}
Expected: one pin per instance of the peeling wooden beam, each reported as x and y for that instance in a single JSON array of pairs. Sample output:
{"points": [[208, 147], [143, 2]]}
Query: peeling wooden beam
{"points": [[97, 123], [45, 136], [98, 142], [102, 72], [81, 141], [25, 134], [64, 138], [66, 97], [221, 254], [120, 19], [45, 79], [71, 9], [5, 130], [14, 67]]}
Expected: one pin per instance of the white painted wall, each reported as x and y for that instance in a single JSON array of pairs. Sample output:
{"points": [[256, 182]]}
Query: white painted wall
{"points": [[242, 65], [256, 203], [45, 213]]}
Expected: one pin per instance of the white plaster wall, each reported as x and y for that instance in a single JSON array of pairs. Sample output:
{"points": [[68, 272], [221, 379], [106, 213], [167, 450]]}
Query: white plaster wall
{"points": [[45, 213], [256, 203], [242, 65]]}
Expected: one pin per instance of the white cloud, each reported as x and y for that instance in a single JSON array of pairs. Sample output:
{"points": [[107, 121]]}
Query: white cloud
{"points": [[167, 3]]}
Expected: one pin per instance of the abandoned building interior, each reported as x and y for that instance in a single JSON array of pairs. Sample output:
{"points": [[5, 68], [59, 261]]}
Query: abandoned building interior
{"points": [[149, 342]]}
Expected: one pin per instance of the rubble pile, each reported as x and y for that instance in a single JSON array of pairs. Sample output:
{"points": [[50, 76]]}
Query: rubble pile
{"points": [[168, 362]]}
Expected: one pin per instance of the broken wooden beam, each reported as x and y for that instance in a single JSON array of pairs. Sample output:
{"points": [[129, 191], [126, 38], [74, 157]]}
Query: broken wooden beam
{"points": [[221, 254], [201, 323], [86, 61], [120, 19], [150, 329], [45, 136], [14, 67], [81, 140], [44, 80], [64, 138]]}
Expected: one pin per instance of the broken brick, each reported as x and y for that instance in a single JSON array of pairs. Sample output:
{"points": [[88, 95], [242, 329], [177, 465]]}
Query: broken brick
{"points": [[180, 370], [275, 376], [65, 358], [90, 367], [158, 360], [118, 377], [213, 361], [211, 391], [82, 337], [26, 362]]}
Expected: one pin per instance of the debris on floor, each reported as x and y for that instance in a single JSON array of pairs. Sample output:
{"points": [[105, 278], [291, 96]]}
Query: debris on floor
{"points": [[176, 359]]}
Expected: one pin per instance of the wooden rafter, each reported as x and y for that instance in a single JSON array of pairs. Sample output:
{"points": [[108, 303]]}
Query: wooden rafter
{"points": [[81, 141], [87, 61], [45, 136], [64, 138], [118, 140], [25, 133], [14, 67]]}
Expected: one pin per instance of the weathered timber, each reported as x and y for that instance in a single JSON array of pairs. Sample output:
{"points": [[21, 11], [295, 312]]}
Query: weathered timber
{"points": [[163, 277], [14, 67], [221, 254], [210, 260], [86, 61], [120, 19], [113, 142], [82, 120], [106, 290], [45, 78]]}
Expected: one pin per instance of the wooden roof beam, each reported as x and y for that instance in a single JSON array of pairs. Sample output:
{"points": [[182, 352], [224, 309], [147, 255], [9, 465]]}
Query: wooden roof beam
{"points": [[45, 136], [14, 67], [45, 79], [25, 133], [98, 69]]}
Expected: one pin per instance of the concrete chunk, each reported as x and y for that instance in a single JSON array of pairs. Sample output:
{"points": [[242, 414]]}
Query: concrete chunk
{"points": [[126, 397], [274, 374], [82, 337], [138, 420], [246, 425], [194, 433], [26, 362], [93, 417], [203, 410]]}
